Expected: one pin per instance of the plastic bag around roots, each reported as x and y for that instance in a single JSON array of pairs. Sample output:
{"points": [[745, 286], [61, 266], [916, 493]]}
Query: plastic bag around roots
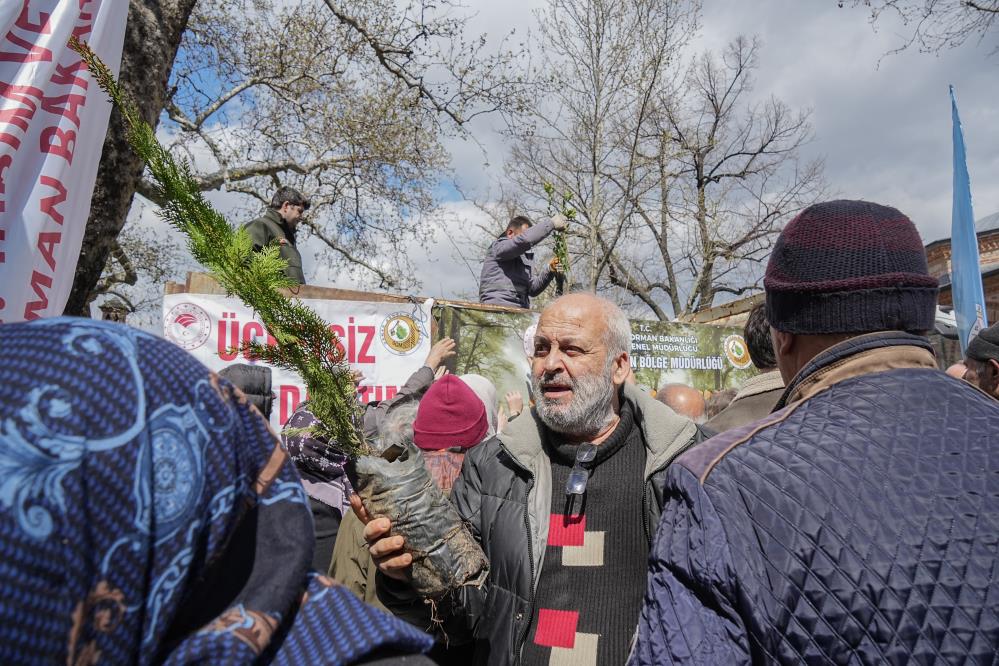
{"points": [[399, 487]]}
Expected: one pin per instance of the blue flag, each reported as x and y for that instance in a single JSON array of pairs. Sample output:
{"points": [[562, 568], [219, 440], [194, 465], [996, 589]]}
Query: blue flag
{"points": [[966, 275]]}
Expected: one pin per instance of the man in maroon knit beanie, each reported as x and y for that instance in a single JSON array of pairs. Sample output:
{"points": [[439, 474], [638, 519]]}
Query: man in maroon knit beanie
{"points": [[856, 523], [450, 420]]}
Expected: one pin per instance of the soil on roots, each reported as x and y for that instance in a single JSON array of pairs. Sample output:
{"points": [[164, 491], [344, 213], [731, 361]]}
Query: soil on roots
{"points": [[398, 487]]}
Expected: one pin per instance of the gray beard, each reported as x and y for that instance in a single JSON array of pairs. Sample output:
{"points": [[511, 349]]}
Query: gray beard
{"points": [[589, 411]]}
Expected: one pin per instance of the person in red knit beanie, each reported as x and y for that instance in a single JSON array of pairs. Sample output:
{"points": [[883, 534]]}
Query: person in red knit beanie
{"points": [[450, 420], [450, 416]]}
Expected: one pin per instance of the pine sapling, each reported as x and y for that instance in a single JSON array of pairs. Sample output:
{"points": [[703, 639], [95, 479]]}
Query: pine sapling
{"points": [[446, 556], [304, 342]]}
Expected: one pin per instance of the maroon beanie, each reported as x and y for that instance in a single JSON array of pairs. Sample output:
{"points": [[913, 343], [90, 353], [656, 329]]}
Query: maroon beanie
{"points": [[849, 267], [450, 414]]}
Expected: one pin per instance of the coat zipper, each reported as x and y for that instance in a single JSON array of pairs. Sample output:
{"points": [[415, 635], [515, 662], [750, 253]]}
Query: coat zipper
{"points": [[530, 554], [519, 648]]}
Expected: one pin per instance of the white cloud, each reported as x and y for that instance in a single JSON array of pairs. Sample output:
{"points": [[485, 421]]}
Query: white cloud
{"points": [[881, 121]]}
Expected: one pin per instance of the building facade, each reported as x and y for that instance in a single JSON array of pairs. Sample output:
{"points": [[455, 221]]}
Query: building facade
{"points": [[938, 256]]}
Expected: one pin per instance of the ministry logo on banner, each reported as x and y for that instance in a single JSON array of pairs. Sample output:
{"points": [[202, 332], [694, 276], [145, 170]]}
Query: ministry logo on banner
{"points": [[187, 325]]}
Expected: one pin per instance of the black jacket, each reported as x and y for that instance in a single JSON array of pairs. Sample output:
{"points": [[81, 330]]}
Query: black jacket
{"points": [[504, 493], [255, 382]]}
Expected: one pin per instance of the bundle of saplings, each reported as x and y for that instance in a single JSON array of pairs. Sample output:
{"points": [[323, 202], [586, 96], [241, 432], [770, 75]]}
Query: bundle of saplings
{"points": [[396, 483], [561, 249]]}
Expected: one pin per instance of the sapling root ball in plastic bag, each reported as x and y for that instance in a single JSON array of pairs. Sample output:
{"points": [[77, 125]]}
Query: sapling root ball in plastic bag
{"points": [[399, 487]]}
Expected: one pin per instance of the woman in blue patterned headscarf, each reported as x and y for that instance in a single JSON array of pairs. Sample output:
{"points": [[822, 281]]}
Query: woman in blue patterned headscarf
{"points": [[148, 514]]}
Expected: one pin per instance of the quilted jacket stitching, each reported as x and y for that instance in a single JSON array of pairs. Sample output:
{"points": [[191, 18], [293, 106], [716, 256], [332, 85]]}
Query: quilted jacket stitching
{"points": [[864, 381], [909, 496], [912, 588], [947, 621], [704, 499], [745, 438], [807, 567], [843, 541], [753, 638]]}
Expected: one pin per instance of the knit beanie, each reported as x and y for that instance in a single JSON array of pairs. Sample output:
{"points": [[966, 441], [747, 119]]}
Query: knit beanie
{"points": [[849, 267], [487, 394], [450, 414], [985, 345]]}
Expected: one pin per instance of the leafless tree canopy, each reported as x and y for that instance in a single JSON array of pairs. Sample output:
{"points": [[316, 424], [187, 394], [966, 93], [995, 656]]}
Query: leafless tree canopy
{"points": [[723, 176], [348, 102], [936, 24], [607, 59], [681, 176]]}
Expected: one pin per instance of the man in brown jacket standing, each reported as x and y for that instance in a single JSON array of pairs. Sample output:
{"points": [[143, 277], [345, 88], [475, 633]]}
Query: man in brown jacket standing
{"points": [[758, 395]]}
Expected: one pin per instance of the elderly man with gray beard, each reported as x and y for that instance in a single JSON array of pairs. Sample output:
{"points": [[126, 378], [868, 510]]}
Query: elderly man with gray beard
{"points": [[565, 504]]}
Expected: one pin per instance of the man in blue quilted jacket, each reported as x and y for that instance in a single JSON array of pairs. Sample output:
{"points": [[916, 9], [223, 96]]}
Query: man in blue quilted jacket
{"points": [[859, 522]]}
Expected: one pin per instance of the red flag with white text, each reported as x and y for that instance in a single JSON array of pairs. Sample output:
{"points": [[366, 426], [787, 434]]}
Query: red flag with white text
{"points": [[53, 119]]}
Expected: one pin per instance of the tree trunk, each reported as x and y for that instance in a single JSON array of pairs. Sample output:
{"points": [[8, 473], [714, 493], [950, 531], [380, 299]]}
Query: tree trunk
{"points": [[152, 36]]}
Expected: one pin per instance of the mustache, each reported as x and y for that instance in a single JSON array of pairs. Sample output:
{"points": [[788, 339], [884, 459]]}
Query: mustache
{"points": [[551, 379]]}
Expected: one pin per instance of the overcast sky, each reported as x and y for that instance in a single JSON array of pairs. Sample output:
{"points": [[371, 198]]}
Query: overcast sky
{"points": [[882, 122]]}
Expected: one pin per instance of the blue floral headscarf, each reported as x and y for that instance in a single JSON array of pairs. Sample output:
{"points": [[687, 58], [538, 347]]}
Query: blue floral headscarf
{"points": [[148, 514]]}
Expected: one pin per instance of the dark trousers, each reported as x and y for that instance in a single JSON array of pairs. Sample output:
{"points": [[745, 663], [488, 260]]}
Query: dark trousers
{"points": [[327, 521]]}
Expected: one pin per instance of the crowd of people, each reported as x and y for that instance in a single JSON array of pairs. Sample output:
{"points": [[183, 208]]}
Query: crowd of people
{"points": [[840, 506]]}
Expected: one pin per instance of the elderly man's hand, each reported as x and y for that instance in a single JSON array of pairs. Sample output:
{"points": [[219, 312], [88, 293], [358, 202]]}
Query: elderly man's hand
{"points": [[560, 222], [386, 549]]}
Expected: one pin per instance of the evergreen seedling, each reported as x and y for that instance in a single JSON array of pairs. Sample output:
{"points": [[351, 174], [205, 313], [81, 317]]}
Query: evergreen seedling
{"points": [[305, 343]]}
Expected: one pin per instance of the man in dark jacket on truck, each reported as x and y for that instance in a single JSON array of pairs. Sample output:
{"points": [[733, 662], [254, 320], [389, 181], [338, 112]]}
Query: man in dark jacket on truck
{"points": [[277, 226], [858, 522], [563, 503], [507, 273]]}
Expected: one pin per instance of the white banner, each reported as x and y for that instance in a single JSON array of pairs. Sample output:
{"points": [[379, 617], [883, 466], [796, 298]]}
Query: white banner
{"points": [[53, 119], [387, 342]]}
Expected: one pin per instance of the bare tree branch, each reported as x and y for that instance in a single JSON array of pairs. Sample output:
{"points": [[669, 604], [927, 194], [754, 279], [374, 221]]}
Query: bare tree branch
{"points": [[680, 182], [937, 25], [387, 281]]}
